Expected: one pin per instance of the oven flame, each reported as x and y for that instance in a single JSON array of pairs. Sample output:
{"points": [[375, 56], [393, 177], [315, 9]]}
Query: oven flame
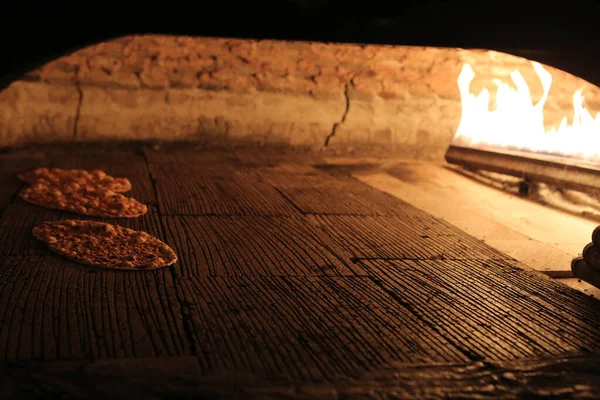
{"points": [[518, 124]]}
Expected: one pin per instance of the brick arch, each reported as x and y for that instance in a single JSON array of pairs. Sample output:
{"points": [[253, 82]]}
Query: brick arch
{"points": [[402, 99]]}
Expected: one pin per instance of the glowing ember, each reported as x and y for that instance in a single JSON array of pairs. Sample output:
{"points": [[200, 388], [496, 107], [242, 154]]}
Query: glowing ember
{"points": [[518, 124]]}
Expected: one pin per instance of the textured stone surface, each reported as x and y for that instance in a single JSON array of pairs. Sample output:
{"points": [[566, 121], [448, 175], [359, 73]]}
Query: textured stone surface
{"points": [[403, 99], [187, 114], [37, 112]]}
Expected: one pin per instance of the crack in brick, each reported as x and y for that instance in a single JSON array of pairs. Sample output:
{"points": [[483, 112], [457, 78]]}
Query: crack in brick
{"points": [[78, 111], [138, 76], [341, 121]]}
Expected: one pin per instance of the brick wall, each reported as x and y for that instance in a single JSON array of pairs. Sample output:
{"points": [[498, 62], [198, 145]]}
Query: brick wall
{"points": [[398, 99]]}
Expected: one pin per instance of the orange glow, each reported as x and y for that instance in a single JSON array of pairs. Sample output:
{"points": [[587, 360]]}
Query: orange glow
{"points": [[518, 124]]}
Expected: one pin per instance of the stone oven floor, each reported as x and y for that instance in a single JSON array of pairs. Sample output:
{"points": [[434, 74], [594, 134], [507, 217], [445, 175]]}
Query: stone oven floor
{"points": [[295, 280]]}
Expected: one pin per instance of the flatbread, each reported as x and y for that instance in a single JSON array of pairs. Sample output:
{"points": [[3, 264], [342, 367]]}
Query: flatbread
{"points": [[86, 200], [104, 245], [57, 176]]}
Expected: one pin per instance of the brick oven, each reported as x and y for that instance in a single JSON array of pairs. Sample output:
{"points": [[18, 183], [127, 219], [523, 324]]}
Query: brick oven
{"points": [[334, 237], [401, 98]]}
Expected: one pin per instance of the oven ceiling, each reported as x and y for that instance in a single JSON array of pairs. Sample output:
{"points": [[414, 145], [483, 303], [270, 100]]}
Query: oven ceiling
{"points": [[562, 34]]}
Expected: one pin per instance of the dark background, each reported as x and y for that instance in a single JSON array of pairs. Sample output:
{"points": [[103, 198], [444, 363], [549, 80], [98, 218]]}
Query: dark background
{"points": [[563, 34]]}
